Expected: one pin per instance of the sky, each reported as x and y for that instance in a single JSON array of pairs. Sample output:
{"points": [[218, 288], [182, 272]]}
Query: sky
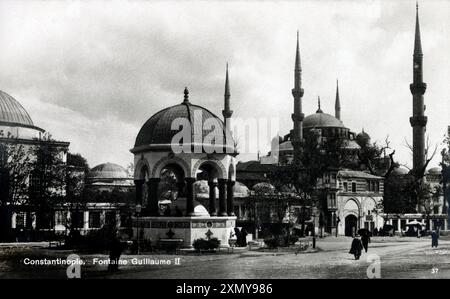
{"points": [[92, 73]]}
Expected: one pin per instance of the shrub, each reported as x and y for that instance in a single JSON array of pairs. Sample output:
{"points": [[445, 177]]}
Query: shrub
{"points": [[272, 242], [293, 239], [202, 244]]}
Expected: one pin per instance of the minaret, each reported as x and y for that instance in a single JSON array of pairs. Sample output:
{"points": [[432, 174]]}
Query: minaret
{"points": [[297, 93], [226, 112], [418, 120], [337, 104]]}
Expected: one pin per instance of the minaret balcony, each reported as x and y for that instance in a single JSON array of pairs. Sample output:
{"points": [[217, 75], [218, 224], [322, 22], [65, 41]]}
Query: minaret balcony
{"points": [[297, 116], [418, 88], [298, 93], [418, 121]]}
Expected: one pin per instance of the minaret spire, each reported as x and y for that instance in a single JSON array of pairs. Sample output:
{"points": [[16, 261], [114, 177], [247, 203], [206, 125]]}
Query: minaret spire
{"points": [[417, 41], [226, 112], [297, 93], [337, 104], [418, 120]]}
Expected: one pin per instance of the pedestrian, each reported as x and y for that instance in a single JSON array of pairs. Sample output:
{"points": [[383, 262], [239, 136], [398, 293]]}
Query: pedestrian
{"points": [[365, 239], [115, 252], [243, 238], [434, 239], [237, 233], [375, 232], [356, 247]]}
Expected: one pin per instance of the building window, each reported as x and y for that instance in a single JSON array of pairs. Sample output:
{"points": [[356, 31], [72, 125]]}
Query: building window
{"points": [[353, 187], [345, 187], [110, 218], [332, 200], [125, 220], [94, 219], [377, 187], [77, 219], [60, 217], [21, 220], [369, 186]]}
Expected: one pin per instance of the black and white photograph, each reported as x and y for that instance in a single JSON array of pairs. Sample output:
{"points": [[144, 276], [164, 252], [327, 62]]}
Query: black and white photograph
{"points": [[224, 140]]}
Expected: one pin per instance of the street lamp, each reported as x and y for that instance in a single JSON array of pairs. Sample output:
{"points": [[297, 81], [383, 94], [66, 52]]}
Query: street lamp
{"points": [[138, 212]]}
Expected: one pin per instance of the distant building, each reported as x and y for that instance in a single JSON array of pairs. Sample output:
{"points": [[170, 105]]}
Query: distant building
{"points": [[108, 199]]}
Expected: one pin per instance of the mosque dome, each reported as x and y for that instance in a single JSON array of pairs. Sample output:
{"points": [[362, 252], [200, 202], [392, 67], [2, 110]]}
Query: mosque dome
{"points": [[157, 132], [264, 188], [322, 120], [363, 135], [434, 171], [12, 113], [108, 171], [400, 171], [202, 190], [240, 190]]}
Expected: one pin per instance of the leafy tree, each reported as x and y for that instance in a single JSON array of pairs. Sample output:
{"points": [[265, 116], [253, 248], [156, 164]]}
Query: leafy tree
{"points": [[445, 165], [15, 167], [316, 157], [48, 181]]}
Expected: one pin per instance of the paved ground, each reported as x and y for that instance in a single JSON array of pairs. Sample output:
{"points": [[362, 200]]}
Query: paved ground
{"points": [[399, 258]]}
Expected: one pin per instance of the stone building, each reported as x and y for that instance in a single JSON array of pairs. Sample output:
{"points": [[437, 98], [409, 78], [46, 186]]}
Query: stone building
{"points": [[108, 199], [18, 130]]}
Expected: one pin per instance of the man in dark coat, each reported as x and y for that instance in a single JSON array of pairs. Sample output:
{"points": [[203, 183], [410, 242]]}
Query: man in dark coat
{"points": [[356, 247], [434, 239], [365, 239], [116, 248], [242, 239]]}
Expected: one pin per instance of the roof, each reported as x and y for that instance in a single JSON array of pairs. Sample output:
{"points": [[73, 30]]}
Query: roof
{"points": [[254, 166], [12, 112], [356, 174], [157, 132], [321, 120], [108, 171]]}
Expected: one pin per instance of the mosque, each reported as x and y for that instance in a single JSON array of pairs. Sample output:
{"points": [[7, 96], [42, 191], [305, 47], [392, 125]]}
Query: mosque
{"points": [[17, 128]]}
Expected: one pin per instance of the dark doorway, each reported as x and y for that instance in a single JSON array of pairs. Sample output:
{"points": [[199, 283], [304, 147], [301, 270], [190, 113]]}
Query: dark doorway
{"points": [[351, 225]]}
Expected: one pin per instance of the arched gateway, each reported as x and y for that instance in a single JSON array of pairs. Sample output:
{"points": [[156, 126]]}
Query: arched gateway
{"points": [[176, 147]]}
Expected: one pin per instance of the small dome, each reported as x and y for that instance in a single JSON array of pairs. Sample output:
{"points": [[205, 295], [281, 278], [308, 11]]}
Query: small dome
{"points": [[108, 171], [320, 120], [435, 171], [264, 188], [363, 135], [240, 190], [157, 131], [201, 188], [400, 171]]}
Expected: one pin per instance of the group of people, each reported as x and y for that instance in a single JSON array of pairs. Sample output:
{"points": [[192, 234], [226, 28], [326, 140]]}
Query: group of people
{"points": [[359, 243]]}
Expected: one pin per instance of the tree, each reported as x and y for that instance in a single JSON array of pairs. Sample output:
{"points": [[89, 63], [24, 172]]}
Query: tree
{"points": [[373, 157], [312, 160], [15, 167], [445, 165], [48, 181]]}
